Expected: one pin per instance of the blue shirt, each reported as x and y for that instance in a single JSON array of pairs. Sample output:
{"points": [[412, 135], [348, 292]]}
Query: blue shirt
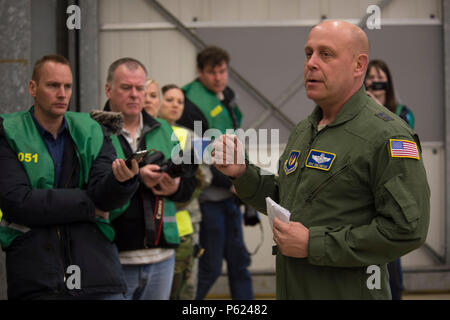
{"points": [[54, 146]]}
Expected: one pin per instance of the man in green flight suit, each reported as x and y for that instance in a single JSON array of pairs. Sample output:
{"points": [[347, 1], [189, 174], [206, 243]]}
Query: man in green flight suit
{"points": [[351, 175]]}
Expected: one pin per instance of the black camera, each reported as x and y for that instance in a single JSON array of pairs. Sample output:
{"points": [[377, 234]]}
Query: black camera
{"points": [[173, 170]]}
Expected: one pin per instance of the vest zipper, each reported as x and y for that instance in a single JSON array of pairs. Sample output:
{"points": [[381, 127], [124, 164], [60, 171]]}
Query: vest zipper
{"points": [[61, 253]]}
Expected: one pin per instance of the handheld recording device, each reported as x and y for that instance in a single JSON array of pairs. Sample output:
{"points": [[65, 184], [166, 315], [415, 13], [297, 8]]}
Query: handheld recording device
{"points": [[138, 155], [166, 165]]}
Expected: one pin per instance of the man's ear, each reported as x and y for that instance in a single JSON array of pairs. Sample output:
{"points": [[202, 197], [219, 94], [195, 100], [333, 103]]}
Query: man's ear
{"points": [[199, 72], [361, 64], [108, 89], [32, 88]]}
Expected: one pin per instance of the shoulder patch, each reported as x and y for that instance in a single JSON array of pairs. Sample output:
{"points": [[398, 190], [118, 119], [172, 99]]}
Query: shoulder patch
{"points": [[384, 116], [403, 149], [292, 162]]}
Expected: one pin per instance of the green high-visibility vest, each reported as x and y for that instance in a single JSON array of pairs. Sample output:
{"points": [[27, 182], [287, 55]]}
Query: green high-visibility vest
{"points": [[214, 111], [160, 139], [24, 138]]}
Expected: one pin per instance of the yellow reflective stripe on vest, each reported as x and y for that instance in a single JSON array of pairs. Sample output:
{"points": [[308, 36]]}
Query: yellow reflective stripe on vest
{"points": [[182, 135], [184, 223]]}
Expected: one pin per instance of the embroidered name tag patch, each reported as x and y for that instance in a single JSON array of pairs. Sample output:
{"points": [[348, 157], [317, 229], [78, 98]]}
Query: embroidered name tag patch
{"points": [[403, 149], [321, 160], [292, 162]]}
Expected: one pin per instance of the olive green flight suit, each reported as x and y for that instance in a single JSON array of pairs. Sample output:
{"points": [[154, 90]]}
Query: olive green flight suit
{"points": [[367, 208]]}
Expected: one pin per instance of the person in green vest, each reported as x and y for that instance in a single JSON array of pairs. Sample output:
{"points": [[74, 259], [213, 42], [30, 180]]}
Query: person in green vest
{"points": [[188, 214], [146, 228], [211, 104], [58, 183], [351, 176], [380, 86]]}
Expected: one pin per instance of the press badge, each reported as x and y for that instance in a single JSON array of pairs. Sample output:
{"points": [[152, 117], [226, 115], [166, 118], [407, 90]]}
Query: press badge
{"points": [[292, 162], [321, 160]]}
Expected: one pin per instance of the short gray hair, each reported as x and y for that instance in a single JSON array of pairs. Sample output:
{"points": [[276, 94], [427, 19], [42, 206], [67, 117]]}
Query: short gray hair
{"points": [[131, 64]]}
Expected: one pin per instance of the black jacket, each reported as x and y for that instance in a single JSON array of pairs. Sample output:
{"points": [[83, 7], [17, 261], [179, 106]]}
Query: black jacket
{"points": [[131, 225], [63, 230]]}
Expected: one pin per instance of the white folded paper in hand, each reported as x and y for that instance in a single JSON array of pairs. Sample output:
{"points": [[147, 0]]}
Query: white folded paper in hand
{"points": [[275, 210]]}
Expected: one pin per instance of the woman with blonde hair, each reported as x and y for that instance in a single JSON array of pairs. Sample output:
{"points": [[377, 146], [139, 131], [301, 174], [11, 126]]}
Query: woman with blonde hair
{"points": [[152, 99], [188, 216]]}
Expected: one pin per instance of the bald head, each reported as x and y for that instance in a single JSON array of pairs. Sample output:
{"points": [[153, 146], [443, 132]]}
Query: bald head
{"points": [[353, 36]]}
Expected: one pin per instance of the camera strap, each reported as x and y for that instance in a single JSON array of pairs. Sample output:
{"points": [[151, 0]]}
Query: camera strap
{"points": [[158, 216], [153, 216]]}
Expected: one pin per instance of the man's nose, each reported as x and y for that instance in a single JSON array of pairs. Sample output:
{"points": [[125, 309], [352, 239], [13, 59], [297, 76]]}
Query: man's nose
{"points": [[61, 92], [133, 92], [311, 63]]}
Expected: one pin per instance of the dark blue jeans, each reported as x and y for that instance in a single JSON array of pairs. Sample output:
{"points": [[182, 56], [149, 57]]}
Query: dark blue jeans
{"points": [[396, 279], [222, 238]]}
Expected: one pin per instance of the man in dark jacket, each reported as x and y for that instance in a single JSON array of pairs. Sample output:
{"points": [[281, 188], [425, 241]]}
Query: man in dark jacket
{"points": [[56, 191], [146, 228]]}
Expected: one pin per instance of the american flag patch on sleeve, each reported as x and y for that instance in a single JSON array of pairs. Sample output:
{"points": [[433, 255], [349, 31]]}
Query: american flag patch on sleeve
{"points": [[403, 149]]}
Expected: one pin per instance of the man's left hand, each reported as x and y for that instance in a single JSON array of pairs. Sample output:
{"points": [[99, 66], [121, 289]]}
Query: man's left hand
{"points": [[291, 238]]}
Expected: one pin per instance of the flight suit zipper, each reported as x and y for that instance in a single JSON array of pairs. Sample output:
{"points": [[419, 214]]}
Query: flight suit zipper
{"points": [[312, 195], [313, 139]]}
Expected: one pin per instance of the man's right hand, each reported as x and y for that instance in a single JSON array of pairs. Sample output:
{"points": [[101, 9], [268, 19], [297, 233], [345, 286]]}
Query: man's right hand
{"points": [[101, 214], [121, 172], [228, 156]]}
